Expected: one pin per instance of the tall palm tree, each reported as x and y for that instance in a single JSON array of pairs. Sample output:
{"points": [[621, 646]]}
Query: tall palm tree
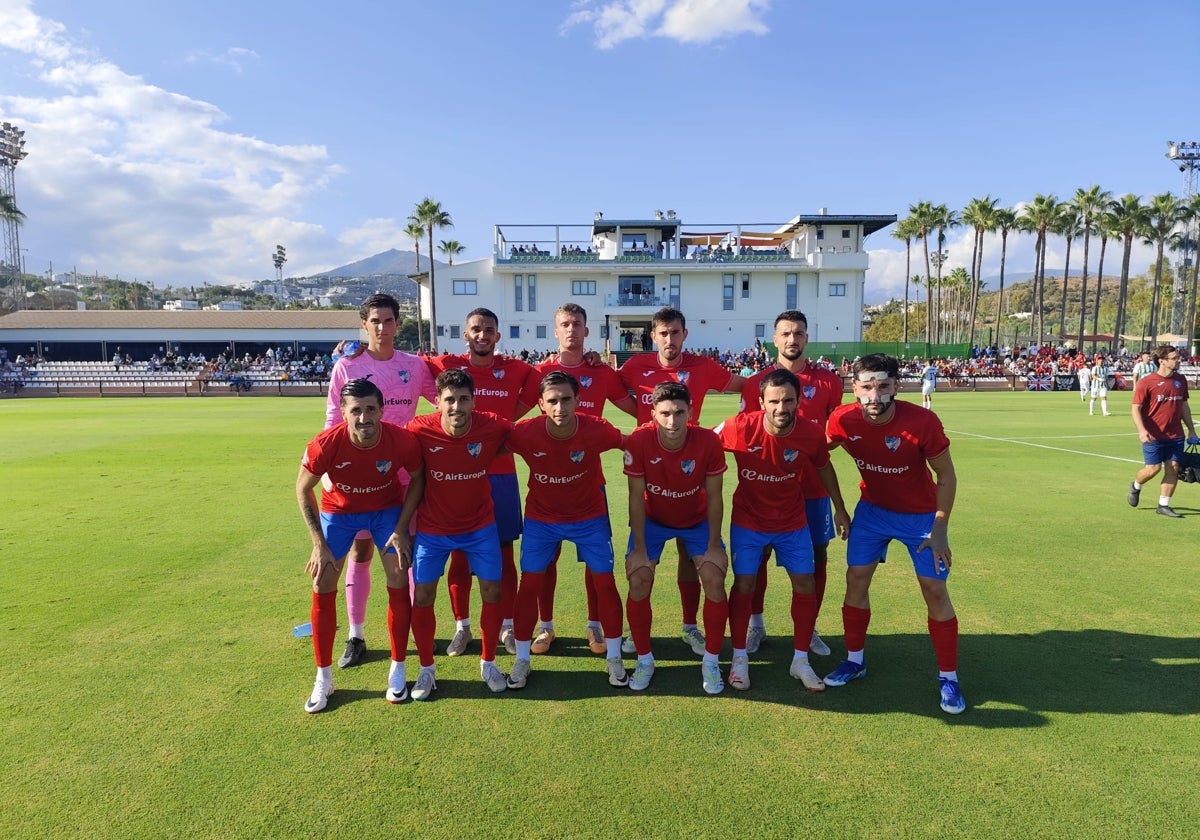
{"points": [[905, 230], [1166, 212], [944, 219], [959, 284], [416, 231], [1193, 219], [923, 223], [1105, 227], [1130, 217], [9, 211], [451, 247], [1067, 226], [1037, 217], [1088, 205], [1006, 220], [980, 214], [430, 215]]}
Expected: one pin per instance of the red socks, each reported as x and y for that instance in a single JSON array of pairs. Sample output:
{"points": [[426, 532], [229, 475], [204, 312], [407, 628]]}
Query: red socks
{"points": [[640, 615], [526, 609], [739, 618], [944, 635], [804, 619], [324, 622], [716, 615], [609, 604], [689, 599], [854, 621], [399, 617], [458, 584], [424, 623]]}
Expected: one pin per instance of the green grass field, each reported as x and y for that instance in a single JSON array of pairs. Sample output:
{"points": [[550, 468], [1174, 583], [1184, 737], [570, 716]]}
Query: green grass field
{"points": [[153, 559]]}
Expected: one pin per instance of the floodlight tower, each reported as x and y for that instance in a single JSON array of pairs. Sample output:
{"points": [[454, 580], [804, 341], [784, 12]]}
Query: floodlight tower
{"points": [[1186, 155], [12, 152], [279, 258]]}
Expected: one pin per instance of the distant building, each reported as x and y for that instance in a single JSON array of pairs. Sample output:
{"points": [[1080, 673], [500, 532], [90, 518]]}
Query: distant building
{"points": [[227, 306], [180, 305]]}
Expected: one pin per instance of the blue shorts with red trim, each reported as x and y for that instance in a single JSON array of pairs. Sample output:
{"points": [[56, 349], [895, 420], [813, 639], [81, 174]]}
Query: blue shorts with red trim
{"points": [[340, 529], [592, 538], [874, 527], [431, 551], [793, 550]]}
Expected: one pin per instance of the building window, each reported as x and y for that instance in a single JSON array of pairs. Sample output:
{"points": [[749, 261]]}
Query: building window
{"points": [[845, 233], [441, 331], [583, 287], [837, 289], [466, 287], [541, 331], [727, 291], [745, 286], [674, 299], [820, 233], [519, 290], [533, 293], [760, 330], [455, 332], [789, 291], [514, 331], [604, 333]]}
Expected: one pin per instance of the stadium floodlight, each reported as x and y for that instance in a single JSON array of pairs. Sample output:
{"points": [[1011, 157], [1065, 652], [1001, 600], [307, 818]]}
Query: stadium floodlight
{"points": [[12, 152]]}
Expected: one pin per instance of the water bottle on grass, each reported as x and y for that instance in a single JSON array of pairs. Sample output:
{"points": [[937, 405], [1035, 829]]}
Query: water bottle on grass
{"points": [[302, 630]]}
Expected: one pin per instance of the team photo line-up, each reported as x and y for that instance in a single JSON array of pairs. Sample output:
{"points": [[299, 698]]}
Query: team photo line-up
{"points": [[436, 495]]}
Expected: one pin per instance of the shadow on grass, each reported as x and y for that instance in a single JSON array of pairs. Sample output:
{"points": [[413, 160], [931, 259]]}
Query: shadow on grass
{"points": [[1010, 680]]}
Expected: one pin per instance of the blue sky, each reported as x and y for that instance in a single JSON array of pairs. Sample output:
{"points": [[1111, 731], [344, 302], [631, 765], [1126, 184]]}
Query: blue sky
{"points": [[179, 142]]}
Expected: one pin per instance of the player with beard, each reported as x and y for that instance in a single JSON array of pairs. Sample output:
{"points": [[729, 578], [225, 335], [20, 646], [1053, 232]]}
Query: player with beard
{"points": [[363, 458], [820, 393], [895, 445], [598, 383], [506, 387], [699, 374], [775, 449]]}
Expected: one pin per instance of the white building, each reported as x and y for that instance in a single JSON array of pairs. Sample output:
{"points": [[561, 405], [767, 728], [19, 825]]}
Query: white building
{"points": [[730, 281]]}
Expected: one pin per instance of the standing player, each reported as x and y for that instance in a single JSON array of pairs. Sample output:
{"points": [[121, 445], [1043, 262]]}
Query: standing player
{"points": [[1143, 367], [1100, 373], [1160, 410], [820, 393], [892, 442], [674, 472], [928, 384], [364, 459], [565, 502], [597, 384], [774, 449], [700, 374], [402, 378], [506, 387], [1084, 373], [458, 445]]}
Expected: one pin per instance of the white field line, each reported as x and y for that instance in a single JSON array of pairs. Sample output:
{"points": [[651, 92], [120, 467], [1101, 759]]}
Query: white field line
{"points": [[1026, 442]]}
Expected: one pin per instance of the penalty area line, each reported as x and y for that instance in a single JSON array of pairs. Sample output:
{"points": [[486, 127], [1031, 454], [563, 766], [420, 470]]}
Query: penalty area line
{"points": [[1044, 446]]}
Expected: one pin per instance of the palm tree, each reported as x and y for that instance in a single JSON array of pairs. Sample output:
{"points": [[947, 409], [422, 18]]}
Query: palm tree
{"points": [[1005, 220], [943, 218], [9, 211], [1088, 205], [1037, 217], [1166, 212], [958, 282], [430, 215], [1067, 225], [1106, 227], [980, 214], [922, 216], [451, 247], [1130, 217], [416, 231], [905, 230], [1193, 218]]}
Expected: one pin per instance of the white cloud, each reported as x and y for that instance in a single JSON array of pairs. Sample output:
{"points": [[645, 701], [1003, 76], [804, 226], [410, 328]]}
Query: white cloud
{"points": [[124, 176], [685, 21], [234, 58]]}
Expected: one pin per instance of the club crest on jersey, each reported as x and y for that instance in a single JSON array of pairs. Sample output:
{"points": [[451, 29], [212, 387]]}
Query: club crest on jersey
{"points": [[688, 467], [810, 391], [498, 374], [789, 455], [473, 449], [585, 382], [383, 467], [683, 376], [892, 443], [404, 376], [577, 456]]}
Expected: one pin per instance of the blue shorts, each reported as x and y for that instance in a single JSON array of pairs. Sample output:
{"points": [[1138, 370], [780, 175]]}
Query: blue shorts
{"points": [[874, 527], [1160, 451], [819, 513], [506, 499], [340, 529], [431, 551], [695, 539], [592, 538], [793, 550]]}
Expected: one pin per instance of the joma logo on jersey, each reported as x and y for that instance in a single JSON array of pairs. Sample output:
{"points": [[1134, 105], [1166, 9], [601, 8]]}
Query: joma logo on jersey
{"points": [[577, 456], [688, 467], [585, 382], [383, 467], [892, 443], [473, 449], [789, 455]]}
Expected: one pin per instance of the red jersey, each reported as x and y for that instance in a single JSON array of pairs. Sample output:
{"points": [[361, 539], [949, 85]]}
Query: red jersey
{"points": [[1160, 400], [821, 392], [458, 495], [675, 495], [362, 480], [499, 387], [597, 383], [770, 493], [699, 373], [565, 476], [892, 458]]}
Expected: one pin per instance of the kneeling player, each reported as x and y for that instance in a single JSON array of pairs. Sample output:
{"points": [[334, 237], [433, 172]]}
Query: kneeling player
{"points": [[363, 457]]}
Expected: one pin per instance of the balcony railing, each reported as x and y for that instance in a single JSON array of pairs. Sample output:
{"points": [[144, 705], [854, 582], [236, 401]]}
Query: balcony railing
{"points": [[629, 299]]}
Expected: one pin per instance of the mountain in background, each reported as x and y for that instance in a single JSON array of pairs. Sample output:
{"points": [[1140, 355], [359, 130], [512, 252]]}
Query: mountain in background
{"points": [[393, 261]]}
